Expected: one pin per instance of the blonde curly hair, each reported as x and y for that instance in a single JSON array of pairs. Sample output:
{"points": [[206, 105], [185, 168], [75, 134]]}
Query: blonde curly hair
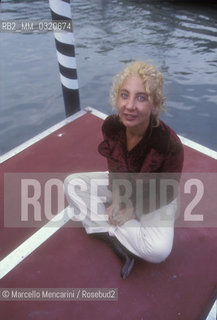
{"points": [[153, 85]]}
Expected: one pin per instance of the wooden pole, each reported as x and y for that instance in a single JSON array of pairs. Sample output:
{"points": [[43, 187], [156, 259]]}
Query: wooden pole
{"points": [[65, 48]]}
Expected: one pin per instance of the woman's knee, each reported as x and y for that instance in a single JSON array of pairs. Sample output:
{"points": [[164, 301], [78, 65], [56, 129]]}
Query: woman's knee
{"points": [[157, 251], [85, 177], [72, 177], [76, 179]]}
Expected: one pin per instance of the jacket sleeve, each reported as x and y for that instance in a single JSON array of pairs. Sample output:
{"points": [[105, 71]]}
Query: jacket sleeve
{"points": [[174, 158], [161, 186], [171, 170]]}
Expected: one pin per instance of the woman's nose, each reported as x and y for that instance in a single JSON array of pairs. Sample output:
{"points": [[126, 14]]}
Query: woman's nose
{"points": [[130, 104]]}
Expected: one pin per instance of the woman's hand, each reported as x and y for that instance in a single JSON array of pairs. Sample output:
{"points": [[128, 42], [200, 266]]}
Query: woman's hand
{"points": [[117, 216]]}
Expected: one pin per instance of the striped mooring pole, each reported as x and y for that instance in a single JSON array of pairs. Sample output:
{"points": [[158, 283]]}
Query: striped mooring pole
{"points": [[61, 10]]}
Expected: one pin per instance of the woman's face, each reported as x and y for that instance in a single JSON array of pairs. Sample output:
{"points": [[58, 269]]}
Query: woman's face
{"points": [[134, 108]]}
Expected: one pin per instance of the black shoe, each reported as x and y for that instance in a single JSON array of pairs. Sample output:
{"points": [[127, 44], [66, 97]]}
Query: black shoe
{"points": [[120, 251], [127, 267], [124, 255]]}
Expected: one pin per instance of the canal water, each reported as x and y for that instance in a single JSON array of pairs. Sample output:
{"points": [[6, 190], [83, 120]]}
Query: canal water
{"points": [[180, 38]]}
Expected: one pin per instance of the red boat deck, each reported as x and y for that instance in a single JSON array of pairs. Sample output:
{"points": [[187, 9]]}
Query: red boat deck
{"points": [[179, 288]]}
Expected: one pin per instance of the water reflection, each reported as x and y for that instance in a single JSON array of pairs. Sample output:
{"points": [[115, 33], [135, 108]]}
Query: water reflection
{"points": [[179, 38]]}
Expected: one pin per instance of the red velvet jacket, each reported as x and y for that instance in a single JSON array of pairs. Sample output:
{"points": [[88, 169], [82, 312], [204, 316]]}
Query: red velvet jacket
{"points": [[159, 151]]}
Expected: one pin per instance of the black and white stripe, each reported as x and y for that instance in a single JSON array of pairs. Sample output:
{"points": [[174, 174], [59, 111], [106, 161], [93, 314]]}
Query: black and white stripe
{"points": [[61, 10]]}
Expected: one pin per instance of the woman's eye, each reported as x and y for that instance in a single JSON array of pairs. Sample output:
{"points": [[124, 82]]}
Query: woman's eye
{"points": [[124, 95], [141, 98]]}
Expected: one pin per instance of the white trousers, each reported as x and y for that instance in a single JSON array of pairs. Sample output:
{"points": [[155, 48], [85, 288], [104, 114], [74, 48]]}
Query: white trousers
{"points": [[150, 237]]}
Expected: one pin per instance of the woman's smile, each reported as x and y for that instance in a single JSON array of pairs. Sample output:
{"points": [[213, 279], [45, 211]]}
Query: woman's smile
{"points": [[129, 117]]}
